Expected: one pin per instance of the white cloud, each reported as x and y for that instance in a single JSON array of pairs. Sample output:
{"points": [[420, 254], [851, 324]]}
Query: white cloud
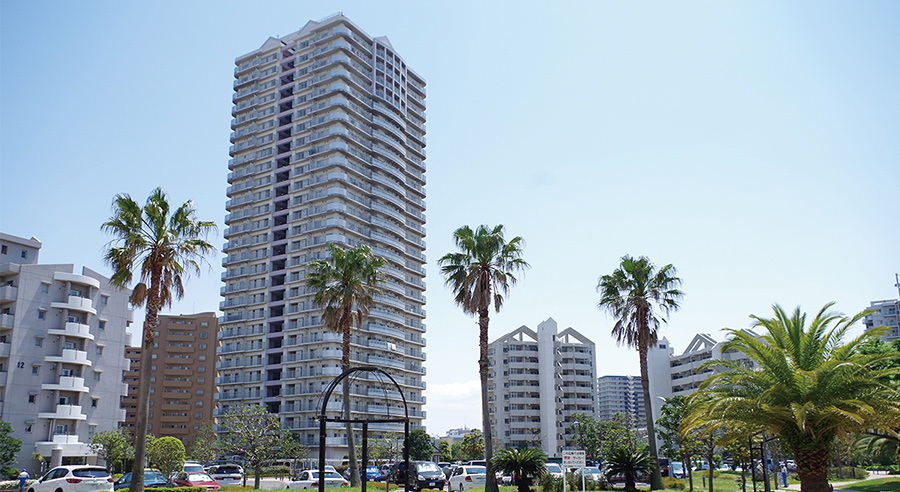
{"points": [[453, 405]]}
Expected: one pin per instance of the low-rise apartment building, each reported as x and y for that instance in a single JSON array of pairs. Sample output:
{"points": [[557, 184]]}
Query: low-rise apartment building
{"points": [[537, 381], [62, 354]]}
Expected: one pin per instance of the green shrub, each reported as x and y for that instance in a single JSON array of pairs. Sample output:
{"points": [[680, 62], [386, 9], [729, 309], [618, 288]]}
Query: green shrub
{"points": [[673, 483], [9, 473], [276, 470], [549, 483], [376, 485], [14, 484], [848, 472], [173, 489]]}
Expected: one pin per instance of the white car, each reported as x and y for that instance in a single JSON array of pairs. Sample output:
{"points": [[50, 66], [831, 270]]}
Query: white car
{"points": [[227, 474], [466, 477], [554, 469], [590, 473], [309, 479], [74, 478]]}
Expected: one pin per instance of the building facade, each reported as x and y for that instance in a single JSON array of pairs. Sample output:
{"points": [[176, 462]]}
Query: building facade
{"points": [[183, 377], [62, 354], [537, 381], [328, 147], [672, 374], [887, 314], [620, 394]]}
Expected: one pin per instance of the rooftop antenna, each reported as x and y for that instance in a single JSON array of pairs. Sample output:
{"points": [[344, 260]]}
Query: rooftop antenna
{"points": [[897, 285]]}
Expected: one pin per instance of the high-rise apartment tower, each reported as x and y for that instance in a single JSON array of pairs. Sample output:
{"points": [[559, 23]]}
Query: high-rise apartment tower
{"points": [[328, 147]]}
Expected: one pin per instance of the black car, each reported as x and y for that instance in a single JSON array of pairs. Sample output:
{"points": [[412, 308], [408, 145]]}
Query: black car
{"points": [[152, 478], [422, 475]]}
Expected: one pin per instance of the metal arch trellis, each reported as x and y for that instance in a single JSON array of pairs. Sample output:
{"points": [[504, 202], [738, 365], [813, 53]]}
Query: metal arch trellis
{"points": [[324, 419]]}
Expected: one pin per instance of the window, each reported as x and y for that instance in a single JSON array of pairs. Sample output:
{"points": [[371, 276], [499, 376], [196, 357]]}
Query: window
{"points": [[201, 380], [201, 369], [202, 357], [32, 398], [35, 369], [203, 335], [204, 323], [199, 403], [3, 249], [99, 350], [28, 426], [202, 346], [41, 314], [38, 342], [101, 325], [97, 375], [45, 288], [199, 392], [104, 300], [24, 254], [94, 402], [198, 415]]}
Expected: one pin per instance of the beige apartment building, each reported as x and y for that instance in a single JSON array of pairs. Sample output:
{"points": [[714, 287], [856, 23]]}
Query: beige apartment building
{"points": [[328, 146], [183, 377]]}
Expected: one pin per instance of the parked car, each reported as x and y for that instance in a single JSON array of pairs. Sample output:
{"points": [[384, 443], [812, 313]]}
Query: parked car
{"points": [[193, 466], [554, 469], [194, 479], [422, 475], [74, 478], [466, 477], [227, 474], [678, 470], [152, 478], [664, 467], [309, 479], [590, 473]]}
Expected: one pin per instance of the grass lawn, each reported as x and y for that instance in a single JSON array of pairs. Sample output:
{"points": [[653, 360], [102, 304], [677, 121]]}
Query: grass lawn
{"points": [[874, 485]]}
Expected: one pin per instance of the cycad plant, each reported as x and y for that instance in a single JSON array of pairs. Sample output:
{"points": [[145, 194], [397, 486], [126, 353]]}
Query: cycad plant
{"points": [[805, 386], [522, 464], [629, 463]]}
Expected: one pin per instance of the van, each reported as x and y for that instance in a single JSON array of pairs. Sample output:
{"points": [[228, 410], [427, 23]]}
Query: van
{"points": [[422, 475]]}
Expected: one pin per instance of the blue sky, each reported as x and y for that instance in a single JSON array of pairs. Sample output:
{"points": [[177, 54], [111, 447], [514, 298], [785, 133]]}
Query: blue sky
{"points": [[751, 144]]}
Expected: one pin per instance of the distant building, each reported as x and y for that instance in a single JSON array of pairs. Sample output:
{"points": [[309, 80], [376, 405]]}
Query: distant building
{"points": [[887, 313], [183, 377], [620, 394], [672, 374], [537, 381], [455, 435], [62, 353]]}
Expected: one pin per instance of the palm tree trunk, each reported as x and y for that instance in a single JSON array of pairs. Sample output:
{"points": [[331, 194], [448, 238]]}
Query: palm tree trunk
{"points": [[345, 364], [686, 468], [143, 403], [812, 468], [655, 476], [490, 483]]}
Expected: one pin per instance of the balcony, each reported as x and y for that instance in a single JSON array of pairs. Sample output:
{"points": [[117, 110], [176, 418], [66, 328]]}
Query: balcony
{"points": [[66, 412], [75, 303], [67, 383], [8, 293], [6, 320], [67, 443], [77, 330], [77, 279], [70, 356], [4, 349]]}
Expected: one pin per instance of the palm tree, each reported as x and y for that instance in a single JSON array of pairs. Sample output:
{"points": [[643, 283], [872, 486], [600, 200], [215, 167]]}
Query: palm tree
{"points": [[522, 464], [480, 274], [804, 386], [630, 294], [630, 463], [161, 248], [345, 284]]}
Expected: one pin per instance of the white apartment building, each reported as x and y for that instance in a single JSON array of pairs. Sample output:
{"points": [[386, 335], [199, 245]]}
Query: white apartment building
{"points": [[887, 313], [62, 353], [328, 147], [537, 381], [620, 394], [672, 374]]}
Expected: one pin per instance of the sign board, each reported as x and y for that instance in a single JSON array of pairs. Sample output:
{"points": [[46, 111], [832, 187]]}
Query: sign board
{"points": [[573, 458]]}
